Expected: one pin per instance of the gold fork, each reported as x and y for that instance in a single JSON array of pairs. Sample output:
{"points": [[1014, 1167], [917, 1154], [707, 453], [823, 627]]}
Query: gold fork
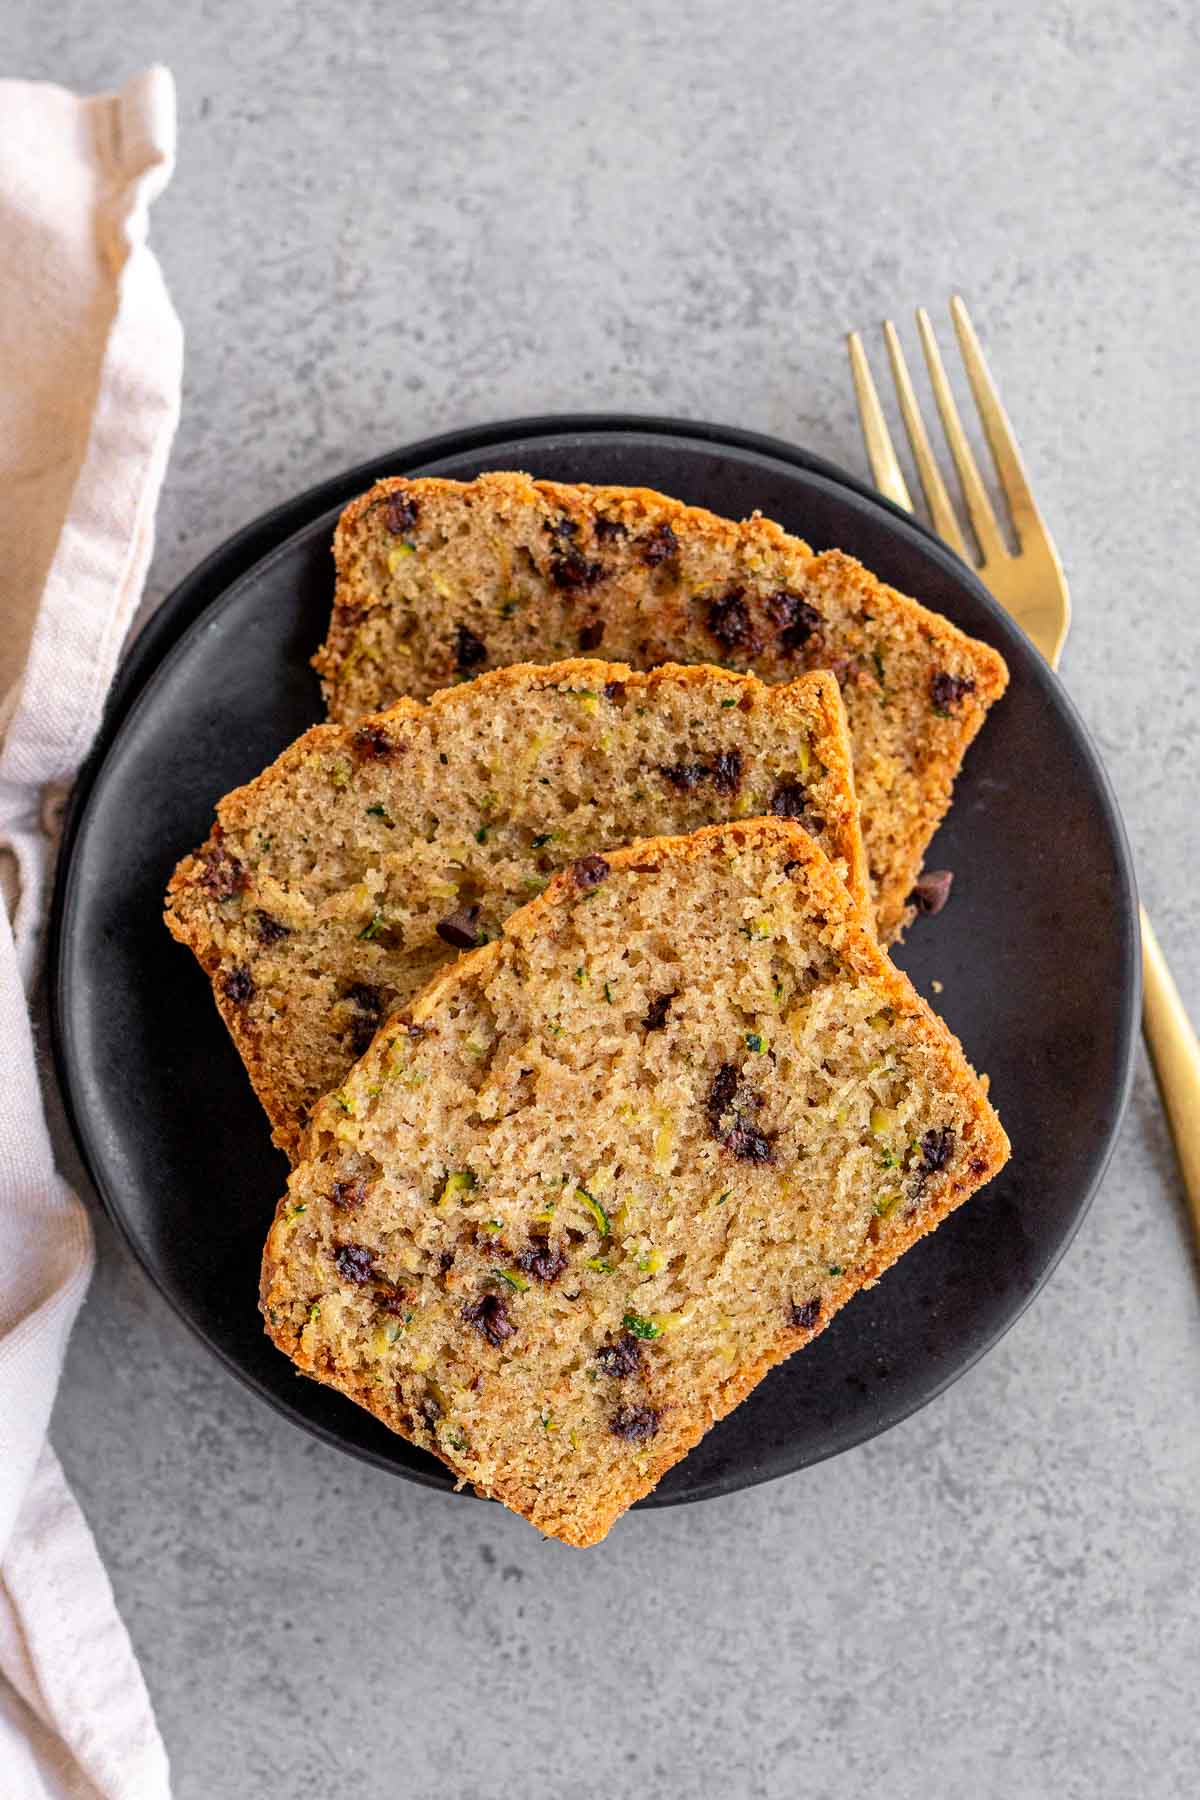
{"points": [[1029, 583]]}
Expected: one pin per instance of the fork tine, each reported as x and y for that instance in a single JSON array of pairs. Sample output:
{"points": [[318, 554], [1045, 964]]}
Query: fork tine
{"points": [[881, 452], [1001, 441], [940, 510], [983, 519]]}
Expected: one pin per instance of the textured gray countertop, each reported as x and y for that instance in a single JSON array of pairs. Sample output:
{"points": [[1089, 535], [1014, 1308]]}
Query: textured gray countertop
{"points": [[389, 221]]}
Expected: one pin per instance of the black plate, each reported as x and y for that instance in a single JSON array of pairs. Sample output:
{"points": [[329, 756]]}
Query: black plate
{"points": [[1037, 951]]}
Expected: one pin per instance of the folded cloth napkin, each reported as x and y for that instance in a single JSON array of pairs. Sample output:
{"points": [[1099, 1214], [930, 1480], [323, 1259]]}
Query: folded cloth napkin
{"points": [[90, 362]]}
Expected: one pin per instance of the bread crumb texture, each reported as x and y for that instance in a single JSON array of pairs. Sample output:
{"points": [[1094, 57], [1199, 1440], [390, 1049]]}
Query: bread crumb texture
{"points": [[370, 855], [439, 580], [616, 1164]]}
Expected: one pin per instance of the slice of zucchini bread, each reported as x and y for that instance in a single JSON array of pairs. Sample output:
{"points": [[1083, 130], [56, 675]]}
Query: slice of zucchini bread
{"points": [[614, 1165], [438, 580], [367, 856]]}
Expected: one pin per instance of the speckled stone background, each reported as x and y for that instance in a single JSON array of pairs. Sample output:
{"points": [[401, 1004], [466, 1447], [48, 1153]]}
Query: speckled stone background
{"points": [[392, 220]]}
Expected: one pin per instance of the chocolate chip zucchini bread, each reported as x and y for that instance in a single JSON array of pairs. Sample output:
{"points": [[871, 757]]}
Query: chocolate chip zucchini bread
{"points": [[367, 856], [614, 1165], [438, 580]]}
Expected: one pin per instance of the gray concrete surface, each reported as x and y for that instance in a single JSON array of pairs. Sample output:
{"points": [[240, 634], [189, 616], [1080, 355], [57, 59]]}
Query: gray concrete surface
{"points": [[389, 221]]}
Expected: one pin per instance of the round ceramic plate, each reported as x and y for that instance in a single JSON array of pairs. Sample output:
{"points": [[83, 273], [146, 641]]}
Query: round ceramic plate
{"points": [[1036, 953]]}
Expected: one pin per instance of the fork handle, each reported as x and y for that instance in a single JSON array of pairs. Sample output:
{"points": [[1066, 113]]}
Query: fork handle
{"points": [[1175, 1054]]}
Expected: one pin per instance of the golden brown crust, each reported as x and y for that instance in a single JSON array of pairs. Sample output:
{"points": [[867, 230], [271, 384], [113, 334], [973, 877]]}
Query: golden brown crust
{"points": [[579, 1517], [887, 649]]}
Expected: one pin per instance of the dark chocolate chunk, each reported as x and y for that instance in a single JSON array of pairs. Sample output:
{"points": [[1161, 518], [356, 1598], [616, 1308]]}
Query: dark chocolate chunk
{"points": [[223, 876], [445, 1260], [622, 1357], [684, 777], [348, 1195], [659, 546], [591, 636], [563, 528], [795, 618], [947, 690], [789, 800], [571, 570], [270, 931], [372, 744], [748, 1143], [469, 650], [542, 1260], [460, 928], [730, 623], [721, 1095], [396, 1302], [237, 984], [932, 890], [634, 1423], [727, 1106], [806, 1314], [937, 1148], [355, 1263], [609, 529], [656, 1018], [727, 771], [489, 1316], [590, 871], [614, 691], [400, 512]]}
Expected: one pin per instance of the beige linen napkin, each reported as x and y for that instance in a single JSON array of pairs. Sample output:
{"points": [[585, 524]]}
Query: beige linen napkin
{"points": [[90, 362]]}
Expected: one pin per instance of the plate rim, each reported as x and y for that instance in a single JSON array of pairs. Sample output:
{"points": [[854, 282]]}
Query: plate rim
{"points": [[256, 544]]}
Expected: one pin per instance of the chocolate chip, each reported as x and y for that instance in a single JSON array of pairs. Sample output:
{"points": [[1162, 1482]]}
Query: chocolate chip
{"points": [[563, 528], [937, 1148], [727, 1105], [590, 871], [656, 1018], [445, 1260], [634, 1423], [222, 875], [347, 1196], [795, 618], [727, 771], [396, 1302], [684, 777], [400, 512], [721, 1094], [608, 529], [805, 1316], [372, 744], [591, 636], [270, 931], [489, 1316], [932, 890], [622, 1357], [978, 1165], [355, 1263], [789, 800], [614, 691], [543, 1262], [238, 985], [730, 623], [947, 690], [572, 570], [469, 650], [659, 546], [460, 928], [749, 1144]]}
